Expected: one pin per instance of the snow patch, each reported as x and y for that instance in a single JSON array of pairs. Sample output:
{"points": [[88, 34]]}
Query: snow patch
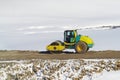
{"points": [[73, 69]]}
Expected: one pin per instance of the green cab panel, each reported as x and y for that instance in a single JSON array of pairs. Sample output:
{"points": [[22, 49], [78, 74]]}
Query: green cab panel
{"points": [[78, 38], [90, 45]]}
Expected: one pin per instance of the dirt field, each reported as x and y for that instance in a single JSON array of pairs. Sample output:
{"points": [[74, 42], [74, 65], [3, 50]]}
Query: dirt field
{"points": [[23, 55]]}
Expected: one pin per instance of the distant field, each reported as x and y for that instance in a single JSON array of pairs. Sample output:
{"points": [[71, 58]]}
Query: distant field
{"points": [[23, 55]]}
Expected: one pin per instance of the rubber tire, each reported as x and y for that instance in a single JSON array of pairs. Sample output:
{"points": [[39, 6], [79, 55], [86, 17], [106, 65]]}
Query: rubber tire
{"points": [[87, 48], [83, 47]]}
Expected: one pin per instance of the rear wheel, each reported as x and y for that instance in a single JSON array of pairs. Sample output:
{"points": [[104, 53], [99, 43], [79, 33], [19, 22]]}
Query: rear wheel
{"points": [[81, 47]]}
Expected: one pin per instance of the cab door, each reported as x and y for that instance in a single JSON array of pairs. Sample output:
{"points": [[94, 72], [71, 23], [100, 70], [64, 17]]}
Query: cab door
{"points": [[69, 36]]}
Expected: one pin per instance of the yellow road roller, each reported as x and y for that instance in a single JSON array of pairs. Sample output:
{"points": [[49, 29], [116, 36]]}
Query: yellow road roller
{"points": [[72, 40]]}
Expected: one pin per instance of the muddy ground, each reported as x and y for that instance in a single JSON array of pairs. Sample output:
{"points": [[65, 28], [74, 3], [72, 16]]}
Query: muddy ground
{"points": [[23, 55]]}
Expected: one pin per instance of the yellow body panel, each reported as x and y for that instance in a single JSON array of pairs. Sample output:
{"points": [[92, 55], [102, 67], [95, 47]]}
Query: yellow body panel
{"points": [[86, 39], [69, 43]]}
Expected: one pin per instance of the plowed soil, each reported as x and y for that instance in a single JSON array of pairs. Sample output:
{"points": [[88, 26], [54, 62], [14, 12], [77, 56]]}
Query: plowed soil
{"points": [[25, 55]]}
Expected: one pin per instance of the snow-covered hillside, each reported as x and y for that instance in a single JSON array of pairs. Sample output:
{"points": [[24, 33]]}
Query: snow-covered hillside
{"points": [[73, 69], [52, 29]]}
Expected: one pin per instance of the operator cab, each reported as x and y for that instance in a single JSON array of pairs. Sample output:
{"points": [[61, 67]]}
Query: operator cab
{"points": [[69, 36]]}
